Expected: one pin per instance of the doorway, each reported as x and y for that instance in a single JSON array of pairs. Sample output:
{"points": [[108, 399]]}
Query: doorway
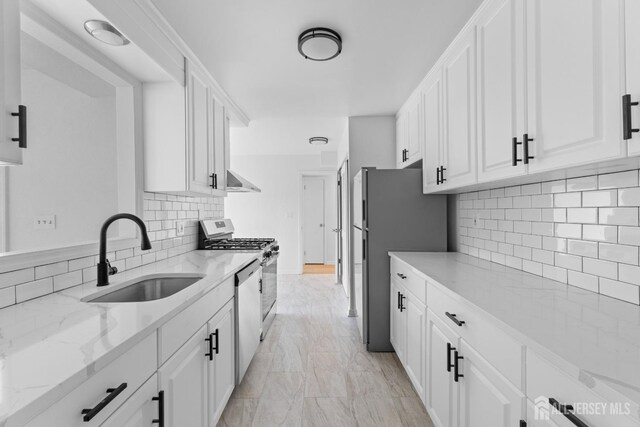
{"points": [[317, 221]]}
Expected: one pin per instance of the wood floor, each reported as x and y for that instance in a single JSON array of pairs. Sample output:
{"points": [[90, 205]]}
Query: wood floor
{"points": [[312, 370], [319, 269]]}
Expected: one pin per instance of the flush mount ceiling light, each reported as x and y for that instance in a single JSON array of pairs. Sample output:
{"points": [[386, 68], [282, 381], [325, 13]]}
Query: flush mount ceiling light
{"points": [[105, 32], [318, 140], [319, 44]]}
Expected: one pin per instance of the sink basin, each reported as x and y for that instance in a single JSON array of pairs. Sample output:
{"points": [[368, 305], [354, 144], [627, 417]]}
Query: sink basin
{"points": [[148, 288]]}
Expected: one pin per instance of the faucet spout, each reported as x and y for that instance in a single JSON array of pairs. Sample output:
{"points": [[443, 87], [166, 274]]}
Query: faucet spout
{"points": [[103, 265]]}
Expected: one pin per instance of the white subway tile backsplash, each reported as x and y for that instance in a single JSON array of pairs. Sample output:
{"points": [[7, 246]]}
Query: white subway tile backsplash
{"points": [[16, 277], [618, 180], [7, 296], [567, 200], [51, 269], [80, 263], [67, 280], [619, 216], [32, 290], [582, 231]]}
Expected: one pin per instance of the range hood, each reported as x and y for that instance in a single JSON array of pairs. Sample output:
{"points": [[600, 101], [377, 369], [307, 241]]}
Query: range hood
{"points": [[238, 184]]}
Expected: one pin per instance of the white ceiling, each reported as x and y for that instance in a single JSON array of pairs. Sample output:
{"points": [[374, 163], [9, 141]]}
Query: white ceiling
{"points": [[250, 47]]}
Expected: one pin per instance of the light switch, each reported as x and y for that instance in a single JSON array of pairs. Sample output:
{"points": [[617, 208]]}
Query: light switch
{"points": [[45, 222], [180, 228]]}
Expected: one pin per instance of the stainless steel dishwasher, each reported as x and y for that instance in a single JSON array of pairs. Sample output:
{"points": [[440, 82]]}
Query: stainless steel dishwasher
{"points": [[248, 317]]}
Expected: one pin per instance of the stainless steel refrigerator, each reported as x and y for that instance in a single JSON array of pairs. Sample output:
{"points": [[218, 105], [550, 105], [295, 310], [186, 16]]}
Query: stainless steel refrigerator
{"points": [[390, 213]]}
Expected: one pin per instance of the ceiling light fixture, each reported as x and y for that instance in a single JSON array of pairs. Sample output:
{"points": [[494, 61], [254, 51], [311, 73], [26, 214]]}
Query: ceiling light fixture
{"points": [[319, 44], [105, 32], [318, 140]]}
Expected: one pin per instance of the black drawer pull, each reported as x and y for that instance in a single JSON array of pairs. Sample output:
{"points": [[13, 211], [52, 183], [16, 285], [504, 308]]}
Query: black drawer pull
{"points": [[567, 411], [456, 367], [402, 307], [399, 301], [450, 348], [113, 393], [454, 319], [160, 400], [627, 126], [22, 126], [402, 276]]}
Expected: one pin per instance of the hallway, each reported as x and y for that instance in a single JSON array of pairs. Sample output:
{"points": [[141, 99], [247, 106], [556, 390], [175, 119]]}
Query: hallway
{"points": [[311, 369]]}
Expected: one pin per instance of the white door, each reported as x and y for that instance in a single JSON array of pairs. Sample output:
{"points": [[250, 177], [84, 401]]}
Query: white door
{"points": [[10, 95], [440, 393], [501, 97], [200, 147], [398, 321], [313, 220], [632, 44], [460, 111], [184, 379], [575, 82], [415, 341], [486, 397], [433, 136], [140, 409], [414, 142], [222, 368]]}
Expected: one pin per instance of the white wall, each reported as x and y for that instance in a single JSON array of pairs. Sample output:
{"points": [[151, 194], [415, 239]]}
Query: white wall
{"points": [[274, 154]]}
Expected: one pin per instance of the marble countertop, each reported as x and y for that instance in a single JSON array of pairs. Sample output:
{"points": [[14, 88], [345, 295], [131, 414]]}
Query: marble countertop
{"points": [[593, 338], [50, 345]]}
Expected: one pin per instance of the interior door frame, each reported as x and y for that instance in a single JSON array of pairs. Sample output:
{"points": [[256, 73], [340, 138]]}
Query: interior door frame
{"points": [[315, 173], [316, 180]]}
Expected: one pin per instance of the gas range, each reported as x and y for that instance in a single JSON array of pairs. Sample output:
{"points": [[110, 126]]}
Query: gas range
{"points": [[217, 235]]}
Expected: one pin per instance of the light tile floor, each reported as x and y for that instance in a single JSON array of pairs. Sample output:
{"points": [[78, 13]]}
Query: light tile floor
{"points": [[312, 370]]}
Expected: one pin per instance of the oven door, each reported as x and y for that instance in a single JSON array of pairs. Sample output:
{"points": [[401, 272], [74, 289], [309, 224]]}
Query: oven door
{"points": [[269, 292]]}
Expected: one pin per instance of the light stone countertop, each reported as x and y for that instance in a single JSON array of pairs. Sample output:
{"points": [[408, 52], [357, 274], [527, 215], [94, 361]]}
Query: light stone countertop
{"points": [[51, 345], [593, 338]]}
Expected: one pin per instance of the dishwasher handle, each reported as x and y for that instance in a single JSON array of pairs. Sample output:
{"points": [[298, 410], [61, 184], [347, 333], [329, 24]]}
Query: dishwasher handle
{"points": [[248, 271]]}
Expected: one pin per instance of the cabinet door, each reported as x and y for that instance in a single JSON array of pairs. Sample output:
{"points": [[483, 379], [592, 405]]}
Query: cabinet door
{"points": [[486, 397], [575, 83], [220, 130], [632, 44], [401, 139], [140, 409], [414, 140], [398, 323], [501, 99], [200, 143], [433, 136], [184, 379], [440, 392], [222, 367], [460, 111], [10, 84], [415, 342]]}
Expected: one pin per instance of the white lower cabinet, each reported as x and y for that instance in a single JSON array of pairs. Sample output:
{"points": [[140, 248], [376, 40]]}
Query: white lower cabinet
{"points": [[398, 322], [222, 367], [141, 409]]}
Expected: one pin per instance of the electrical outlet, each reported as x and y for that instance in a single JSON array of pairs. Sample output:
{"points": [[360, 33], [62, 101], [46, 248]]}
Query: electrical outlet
{"points": [[44, 222], [180, 228], [476, 220]]}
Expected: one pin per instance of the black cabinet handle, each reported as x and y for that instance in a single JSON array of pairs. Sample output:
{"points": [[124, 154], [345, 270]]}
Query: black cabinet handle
{"points": [[113, 393], [213, 180], [627, 126], [402, 307], [160, 400], [523, 423], [442, 178], [399, 303], [525, 148], [438, 175], [454, 319], [514, 151], [209, 340], [217, 335], [567, 411], [456, 366], [450, 348], [22, 126], [402, 276]]}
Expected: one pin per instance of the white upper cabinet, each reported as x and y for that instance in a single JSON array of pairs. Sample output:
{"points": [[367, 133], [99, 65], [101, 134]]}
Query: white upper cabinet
{"points": [[501, 92], [185, 139], [459, 90], [433, 133], [575, 82], [632, 16], [10, 86], [409, 132]]}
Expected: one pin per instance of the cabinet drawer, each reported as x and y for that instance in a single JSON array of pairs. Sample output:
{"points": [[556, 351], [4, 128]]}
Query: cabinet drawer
{"points": [[498, 348], [544, 381], [406, 276], [133, 368], [173, 334]]}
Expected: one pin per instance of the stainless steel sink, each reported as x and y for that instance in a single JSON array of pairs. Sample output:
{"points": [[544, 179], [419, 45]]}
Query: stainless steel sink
{"points": [[148, 288]]}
